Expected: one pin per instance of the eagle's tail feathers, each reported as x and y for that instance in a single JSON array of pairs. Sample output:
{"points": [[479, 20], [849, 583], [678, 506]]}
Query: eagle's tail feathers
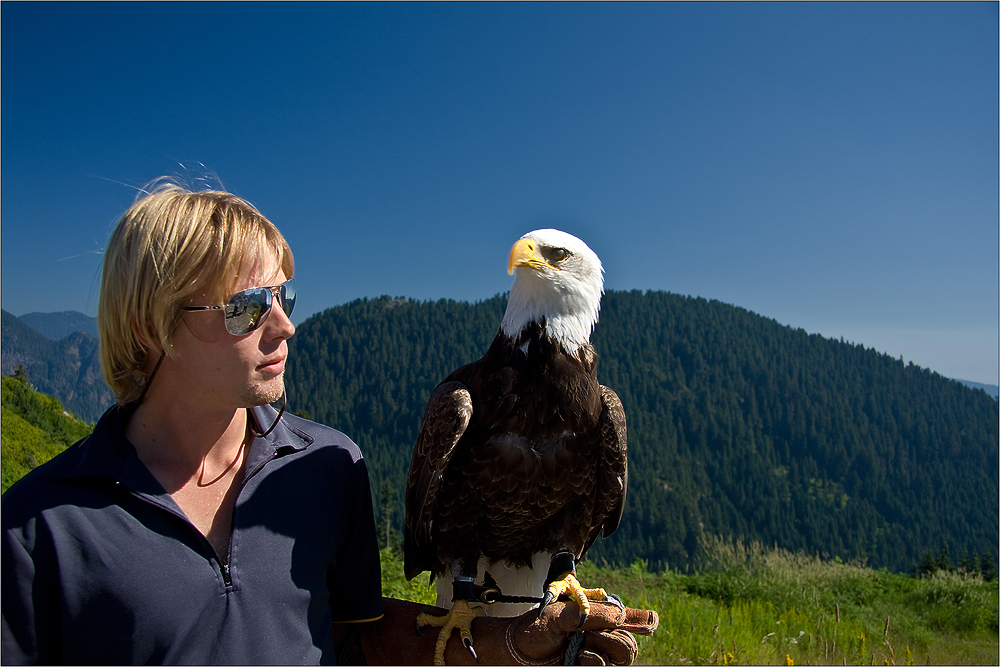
{"points": [[515, 581]]}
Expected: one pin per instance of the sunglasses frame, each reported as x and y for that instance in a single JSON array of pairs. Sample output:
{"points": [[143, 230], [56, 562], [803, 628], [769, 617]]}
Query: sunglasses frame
{"points": [[236, 306]]}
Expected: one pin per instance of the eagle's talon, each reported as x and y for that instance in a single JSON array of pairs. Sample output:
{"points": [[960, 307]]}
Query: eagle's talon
{"points": [[546, 601], [459, 618], [569, 586], [416, 627], [468, 644]]}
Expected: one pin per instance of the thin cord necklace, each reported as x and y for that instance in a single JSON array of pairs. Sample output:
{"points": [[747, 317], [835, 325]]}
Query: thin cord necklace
{"points": [[201, 475]]}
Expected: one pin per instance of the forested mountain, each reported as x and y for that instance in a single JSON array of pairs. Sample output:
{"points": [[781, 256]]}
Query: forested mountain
{"points": [[737, 425], [68, 369]]}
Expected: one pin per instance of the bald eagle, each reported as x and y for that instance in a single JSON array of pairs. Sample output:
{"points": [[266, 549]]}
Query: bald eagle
{"points": [[520, 462]]}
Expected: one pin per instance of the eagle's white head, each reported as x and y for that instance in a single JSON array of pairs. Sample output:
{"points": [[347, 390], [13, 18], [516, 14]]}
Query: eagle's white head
{"points": [[556, 276]]}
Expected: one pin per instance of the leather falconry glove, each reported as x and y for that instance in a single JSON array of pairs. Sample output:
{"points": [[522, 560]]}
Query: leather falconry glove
{"points": [[528, 639]]}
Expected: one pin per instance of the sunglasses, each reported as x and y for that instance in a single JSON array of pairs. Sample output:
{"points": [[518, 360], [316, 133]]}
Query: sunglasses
{"points": [[248, 309]]}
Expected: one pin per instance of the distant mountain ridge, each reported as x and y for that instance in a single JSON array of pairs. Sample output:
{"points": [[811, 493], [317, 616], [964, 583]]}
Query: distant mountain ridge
{"points": [[68, 369], [56, 326], [990, 389]]}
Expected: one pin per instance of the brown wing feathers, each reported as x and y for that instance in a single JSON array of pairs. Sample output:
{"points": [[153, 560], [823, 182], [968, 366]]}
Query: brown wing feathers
{"points": [[446, 417], [614, 469]]}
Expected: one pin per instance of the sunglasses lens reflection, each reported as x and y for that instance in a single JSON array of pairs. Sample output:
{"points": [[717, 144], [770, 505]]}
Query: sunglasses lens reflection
{"points": [[248, 309], [245, 310], [287, 292]]}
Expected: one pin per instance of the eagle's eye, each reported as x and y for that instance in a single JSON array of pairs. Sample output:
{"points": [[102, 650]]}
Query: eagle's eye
{"points": [[558, 254]]}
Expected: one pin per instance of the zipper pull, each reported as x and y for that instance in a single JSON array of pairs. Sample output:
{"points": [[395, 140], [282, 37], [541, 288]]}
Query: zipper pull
{"points": [[225, 575]]}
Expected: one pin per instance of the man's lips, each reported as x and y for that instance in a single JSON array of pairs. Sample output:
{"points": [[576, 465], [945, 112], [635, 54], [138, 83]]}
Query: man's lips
{"points": [[273, 366]]}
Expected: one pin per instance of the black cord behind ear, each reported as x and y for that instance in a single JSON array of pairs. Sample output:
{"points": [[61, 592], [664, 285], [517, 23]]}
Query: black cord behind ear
{"points": [[149, 380]]}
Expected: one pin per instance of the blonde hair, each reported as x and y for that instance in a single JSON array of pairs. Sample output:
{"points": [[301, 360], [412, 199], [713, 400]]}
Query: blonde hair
{"points": [[169, 246]]}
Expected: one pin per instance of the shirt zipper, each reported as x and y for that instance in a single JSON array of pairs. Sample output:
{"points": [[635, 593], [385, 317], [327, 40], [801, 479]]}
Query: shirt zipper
{"points": [[227, 575], [224, 570], [226, 578]]}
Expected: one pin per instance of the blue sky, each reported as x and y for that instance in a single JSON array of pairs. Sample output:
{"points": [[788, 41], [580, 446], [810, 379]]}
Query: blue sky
{"points": [[833, 166]]}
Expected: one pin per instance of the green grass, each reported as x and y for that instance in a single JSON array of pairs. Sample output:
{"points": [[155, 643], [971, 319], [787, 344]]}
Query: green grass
{"points": [[33, 428], [395, 585], [758, 606]]}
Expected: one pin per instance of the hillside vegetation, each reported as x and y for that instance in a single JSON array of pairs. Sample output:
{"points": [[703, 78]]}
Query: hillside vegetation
{"points": [[33, 428], [738, 426]]}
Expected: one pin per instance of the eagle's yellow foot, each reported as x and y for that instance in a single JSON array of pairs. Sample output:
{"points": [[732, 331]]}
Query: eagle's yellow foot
{"points": [[569, 585], [460, 617]]}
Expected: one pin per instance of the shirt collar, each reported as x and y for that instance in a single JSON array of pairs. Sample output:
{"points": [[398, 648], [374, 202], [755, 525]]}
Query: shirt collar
{"points": [[283, 439], [106, 453]]}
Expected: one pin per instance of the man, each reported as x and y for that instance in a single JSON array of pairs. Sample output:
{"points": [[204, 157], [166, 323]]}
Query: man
{"points": [[197, 524]]}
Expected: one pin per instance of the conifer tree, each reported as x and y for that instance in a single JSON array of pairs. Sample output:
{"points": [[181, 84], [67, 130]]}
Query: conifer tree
{"points": [[385, 525], [988, 566]]}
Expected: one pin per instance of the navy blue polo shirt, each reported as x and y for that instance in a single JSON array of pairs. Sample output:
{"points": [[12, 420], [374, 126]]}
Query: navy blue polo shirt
{"points": [[100, 565]]}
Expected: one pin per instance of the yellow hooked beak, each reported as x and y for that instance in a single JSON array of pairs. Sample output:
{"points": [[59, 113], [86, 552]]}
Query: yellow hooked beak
{"points": [[525, 253]]}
